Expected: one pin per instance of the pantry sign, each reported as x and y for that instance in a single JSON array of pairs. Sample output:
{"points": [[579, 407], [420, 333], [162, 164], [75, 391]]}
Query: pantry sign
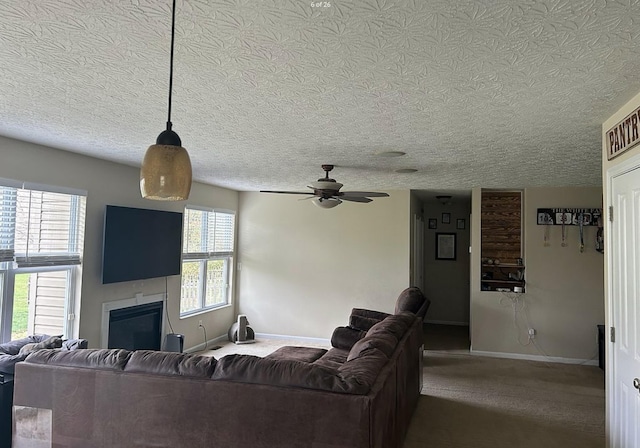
{"points": [[624, 135]]}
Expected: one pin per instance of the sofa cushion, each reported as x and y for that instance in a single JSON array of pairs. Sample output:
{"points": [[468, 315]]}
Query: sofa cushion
{"points": [[10, 352], [333, 359], [288, 373], [385, 342], [364, 368], [345, 337], [166, 363], [107, 359], [304, 354], [8, 362], [411, 299]]}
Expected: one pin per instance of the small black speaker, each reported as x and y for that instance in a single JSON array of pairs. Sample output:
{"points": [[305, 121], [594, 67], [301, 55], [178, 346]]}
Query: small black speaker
{"points": [[174, 343]]}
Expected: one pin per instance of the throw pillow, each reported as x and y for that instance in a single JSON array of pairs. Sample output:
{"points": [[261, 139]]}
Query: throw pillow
{"points": [[361, 322], [344, 337]]}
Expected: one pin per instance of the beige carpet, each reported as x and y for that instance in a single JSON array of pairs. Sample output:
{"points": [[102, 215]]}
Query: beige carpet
{"points": [[479, 402], [473, 401]]}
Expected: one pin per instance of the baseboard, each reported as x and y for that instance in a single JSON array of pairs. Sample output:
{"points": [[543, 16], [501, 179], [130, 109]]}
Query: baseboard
{"points": [[210, 343], [555, 359], [446, 322], [299, 338]]}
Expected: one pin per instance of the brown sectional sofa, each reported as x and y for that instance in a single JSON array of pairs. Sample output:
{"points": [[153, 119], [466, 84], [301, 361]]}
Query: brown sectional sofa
{"points": [[358, 396]]}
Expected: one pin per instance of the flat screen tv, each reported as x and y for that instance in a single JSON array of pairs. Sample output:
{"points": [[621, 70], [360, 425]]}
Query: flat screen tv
{"points": [[140, 243]]}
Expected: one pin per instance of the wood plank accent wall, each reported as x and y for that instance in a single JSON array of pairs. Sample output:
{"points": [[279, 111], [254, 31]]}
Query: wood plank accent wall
{"points": [[501, 217]]}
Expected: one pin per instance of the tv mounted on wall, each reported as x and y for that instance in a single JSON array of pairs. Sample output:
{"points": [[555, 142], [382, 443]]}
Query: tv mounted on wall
{"points": [[140, 244]]}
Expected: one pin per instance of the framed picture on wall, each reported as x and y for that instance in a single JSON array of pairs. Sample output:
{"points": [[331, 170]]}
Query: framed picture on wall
{"points": [[445, 246], [460, 223], [446, 218], [433, 223]]}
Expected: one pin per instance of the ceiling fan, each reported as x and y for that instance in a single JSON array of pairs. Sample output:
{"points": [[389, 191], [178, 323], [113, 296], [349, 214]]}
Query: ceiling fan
{"points": [[326, 192]]}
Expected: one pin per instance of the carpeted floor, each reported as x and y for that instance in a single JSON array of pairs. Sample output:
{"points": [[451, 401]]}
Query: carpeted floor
{"points": [[471, 401]]}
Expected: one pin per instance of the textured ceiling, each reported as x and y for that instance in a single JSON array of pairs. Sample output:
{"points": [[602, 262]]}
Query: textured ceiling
{"points": [[492, 93]]}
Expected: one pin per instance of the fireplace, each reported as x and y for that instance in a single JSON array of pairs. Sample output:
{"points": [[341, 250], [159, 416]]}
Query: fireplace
{"points": [[133, 324]]}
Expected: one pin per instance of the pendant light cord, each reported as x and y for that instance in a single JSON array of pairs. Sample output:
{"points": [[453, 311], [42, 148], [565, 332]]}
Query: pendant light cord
{"points": [[173, 36]]}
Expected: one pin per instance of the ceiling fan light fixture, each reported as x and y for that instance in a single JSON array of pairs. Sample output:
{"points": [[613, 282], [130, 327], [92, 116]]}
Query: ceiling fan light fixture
{"points": [[165, 174], [444, 199], [326, 202]]}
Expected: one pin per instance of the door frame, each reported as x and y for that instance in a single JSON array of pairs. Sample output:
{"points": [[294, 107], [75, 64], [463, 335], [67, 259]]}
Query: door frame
{"points": [[624, 167]]}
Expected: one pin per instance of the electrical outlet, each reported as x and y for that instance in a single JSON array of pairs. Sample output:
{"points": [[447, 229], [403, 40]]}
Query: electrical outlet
{"points": [[532, 333], [200, 323]]}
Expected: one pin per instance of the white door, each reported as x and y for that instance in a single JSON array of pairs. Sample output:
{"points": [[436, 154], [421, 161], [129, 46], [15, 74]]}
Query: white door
{"points": [[624, 275]]}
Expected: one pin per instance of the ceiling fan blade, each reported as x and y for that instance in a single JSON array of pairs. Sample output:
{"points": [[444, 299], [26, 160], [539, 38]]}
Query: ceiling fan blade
{"points": [[369, 194], [356, 199], [286, 192]]}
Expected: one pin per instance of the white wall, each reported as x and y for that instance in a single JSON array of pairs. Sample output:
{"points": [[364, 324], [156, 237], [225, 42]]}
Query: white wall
{"points": [[111, 183], [304, 268], [564, 295]]}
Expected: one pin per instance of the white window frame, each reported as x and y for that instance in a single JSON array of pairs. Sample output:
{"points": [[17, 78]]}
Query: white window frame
{"points": [[204, 257], [22, 264]]}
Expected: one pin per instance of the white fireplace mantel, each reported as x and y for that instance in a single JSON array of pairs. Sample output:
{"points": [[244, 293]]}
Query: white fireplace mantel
{"points": [[139, 299]]}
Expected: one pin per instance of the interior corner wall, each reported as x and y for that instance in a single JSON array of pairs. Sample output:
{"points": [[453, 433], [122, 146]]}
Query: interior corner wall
{"points": [[564, 292], [115, 184], [303, 268], [446, 282]]}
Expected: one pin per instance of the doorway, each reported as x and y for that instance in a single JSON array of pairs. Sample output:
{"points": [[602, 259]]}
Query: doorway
{"points": [[623, 348]]}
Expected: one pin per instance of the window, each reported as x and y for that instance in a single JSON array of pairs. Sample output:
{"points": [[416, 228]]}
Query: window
{"points": [[207, 259], [41, 241]]}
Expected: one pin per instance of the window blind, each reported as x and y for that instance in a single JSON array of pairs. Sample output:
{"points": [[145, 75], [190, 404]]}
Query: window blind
{"points": [[7, 223], [208, 234], [41, 228]]}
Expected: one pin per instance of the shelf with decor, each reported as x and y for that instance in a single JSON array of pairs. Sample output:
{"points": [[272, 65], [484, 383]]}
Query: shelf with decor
{"points": [[501, 241], [502, 276]]}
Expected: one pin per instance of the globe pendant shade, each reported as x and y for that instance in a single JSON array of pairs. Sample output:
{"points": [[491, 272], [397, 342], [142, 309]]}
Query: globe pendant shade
{"points": [[326, 203], [165, 174]]}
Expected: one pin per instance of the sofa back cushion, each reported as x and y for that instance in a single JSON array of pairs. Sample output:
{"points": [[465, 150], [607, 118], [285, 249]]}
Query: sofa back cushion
{"points": [[291, 373], [413, 300], [385, 342], [396, 324], [106, 359], [165, 363], [365, 367]]}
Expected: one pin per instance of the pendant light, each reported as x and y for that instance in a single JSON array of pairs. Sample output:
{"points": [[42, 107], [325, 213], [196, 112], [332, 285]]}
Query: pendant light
{"points": [[165, 174]]}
